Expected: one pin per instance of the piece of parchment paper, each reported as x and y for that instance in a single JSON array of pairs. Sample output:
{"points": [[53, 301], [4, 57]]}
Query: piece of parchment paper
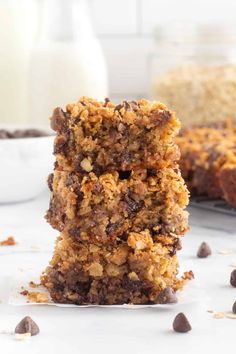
{"points": [[191, 293]]}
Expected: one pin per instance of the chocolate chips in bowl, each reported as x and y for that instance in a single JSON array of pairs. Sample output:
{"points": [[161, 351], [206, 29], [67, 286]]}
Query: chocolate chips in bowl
{"points": [[26, 159], [22, 133]]}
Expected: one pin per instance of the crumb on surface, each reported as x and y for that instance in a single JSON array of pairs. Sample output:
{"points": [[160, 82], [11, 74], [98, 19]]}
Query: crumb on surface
{"points": [[37, 297], [9, 241], [24, 292], [22, 336], [219, 315], [33, 284]]}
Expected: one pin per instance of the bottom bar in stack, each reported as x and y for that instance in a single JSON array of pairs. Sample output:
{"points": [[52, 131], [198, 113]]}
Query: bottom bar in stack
{"points": [[136, 272]]}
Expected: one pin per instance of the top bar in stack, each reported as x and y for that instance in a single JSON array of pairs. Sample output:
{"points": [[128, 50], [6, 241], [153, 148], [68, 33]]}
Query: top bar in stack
{"points": [[97, 137]]}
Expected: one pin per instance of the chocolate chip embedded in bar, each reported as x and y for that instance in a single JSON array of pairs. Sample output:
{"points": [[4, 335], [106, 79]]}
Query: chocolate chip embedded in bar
{"points": [[129, 135]]}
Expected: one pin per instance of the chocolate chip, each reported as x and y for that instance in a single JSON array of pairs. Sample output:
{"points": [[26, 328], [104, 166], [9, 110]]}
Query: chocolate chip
{"points": [[75, 233], [132, 205], [181, 323], [134, 105], [167, 296], [60, 145], [69, 181], [127, 106], [234, 307], [4, 134], [22, 133], [160, 117], [50, 181], [204, 250], [233, 278], [111, 228], [28, 133], [151, 172], [27, 325], [106, 100], [58, 120], [124, 174], [118, 107]]}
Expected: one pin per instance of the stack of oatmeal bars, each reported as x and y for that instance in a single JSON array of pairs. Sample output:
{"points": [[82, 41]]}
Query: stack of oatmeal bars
{"points": [[118, 200]]}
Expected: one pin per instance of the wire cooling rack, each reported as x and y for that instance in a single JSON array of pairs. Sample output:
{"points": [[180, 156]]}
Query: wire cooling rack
{"points": [[215, 205]]}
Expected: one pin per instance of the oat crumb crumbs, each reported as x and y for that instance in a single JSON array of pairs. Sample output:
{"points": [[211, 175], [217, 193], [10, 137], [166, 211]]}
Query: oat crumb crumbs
{"points": [[219, 315], [24, 292], [9, 241], [232, 316], [33, 285], [37, 297], [225, 252], [22, 336]]}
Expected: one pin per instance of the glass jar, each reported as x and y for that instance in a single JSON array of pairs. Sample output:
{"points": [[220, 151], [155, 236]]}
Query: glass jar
{"points": [[193, 71]]}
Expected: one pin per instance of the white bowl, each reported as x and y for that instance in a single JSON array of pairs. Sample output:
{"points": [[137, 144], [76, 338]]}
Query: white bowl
{"points": [[24, 166]]}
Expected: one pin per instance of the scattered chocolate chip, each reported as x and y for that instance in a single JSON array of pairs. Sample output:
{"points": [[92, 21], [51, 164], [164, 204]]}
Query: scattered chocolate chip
{"points": [[204, 250], [233, 278], [27, 325], [234, 307], [167, 296], [181, 323], [24, 292], [58, 120]]}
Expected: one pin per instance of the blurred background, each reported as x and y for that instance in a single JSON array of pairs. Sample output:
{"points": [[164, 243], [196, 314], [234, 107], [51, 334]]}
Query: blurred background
{"points": [[53, 51]]}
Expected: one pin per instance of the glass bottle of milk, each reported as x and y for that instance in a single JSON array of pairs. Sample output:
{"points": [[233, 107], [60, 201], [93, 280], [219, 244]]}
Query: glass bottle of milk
{"points": [[18, 22], [67, 61]]}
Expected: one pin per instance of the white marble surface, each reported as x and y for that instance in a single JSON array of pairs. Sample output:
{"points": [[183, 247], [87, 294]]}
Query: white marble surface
{"points": [[99, 330]]}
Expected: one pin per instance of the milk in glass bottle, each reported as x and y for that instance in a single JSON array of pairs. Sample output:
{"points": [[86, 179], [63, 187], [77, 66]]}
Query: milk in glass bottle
{"points": [[67, 61], [18, 22]]}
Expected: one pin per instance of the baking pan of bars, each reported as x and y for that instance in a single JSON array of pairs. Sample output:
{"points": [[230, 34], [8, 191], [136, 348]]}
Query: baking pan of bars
{"points": [[217, 205]]}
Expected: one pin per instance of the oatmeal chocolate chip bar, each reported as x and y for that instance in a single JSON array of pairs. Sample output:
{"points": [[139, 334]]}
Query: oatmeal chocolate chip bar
{"points": [[105, 208], [97, 136], [118, 200], [208, 160], [136, 271]]}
